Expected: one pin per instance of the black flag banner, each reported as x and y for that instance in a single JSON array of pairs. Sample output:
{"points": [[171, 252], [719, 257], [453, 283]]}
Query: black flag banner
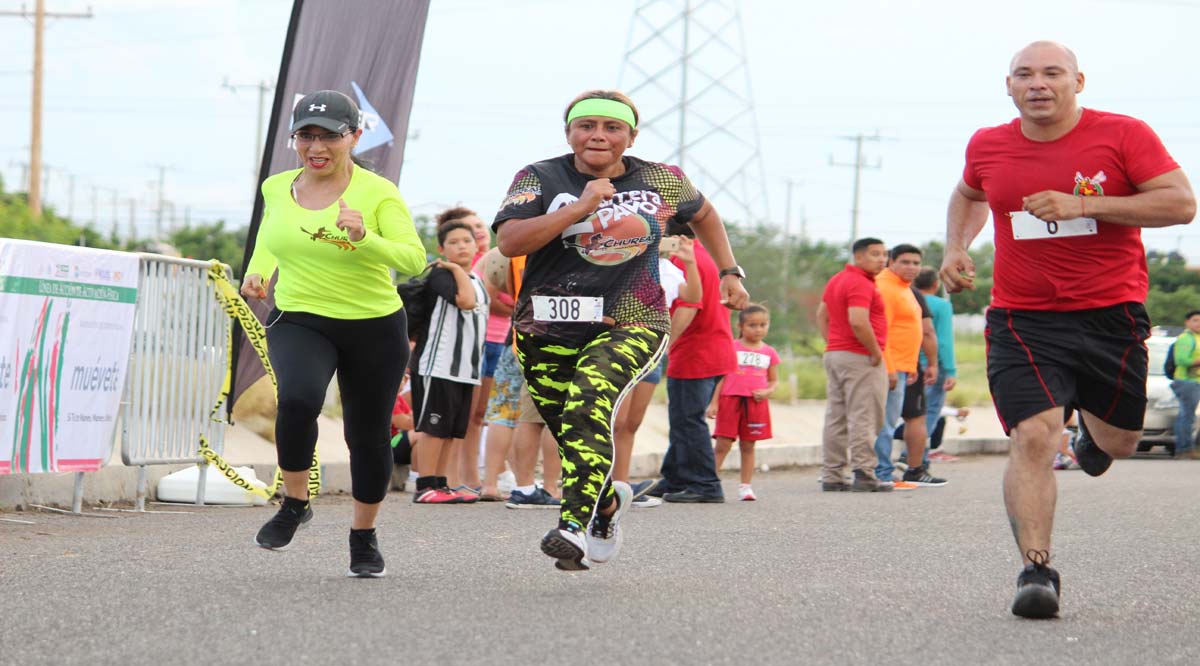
{"points": [[368, 49]]}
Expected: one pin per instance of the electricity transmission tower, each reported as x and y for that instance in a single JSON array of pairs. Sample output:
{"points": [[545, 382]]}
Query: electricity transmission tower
{"points": [[685, 68]]}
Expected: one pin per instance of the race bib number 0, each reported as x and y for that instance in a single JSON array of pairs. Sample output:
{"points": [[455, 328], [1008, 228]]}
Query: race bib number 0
{"points": [[568, 308], [1027, 227]]}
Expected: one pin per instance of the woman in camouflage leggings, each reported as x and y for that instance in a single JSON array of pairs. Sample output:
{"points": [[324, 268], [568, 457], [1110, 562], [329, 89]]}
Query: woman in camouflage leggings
{"points": [[591, 317]]}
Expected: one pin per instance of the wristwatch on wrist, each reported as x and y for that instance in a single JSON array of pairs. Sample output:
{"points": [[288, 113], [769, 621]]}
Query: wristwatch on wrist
{"points": [[736, 271]]}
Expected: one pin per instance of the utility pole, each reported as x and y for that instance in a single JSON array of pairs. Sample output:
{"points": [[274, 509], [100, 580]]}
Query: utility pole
{"points": [[132, 221], [71, 197], [39, 16], [263, 87], [859, 164], [162, 185], [24, 173], [788, 354]]}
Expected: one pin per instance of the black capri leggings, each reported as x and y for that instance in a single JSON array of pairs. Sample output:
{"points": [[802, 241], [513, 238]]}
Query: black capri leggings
{"points": [[369, 356]]}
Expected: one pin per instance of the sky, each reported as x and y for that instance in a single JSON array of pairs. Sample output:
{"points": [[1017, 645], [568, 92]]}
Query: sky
{"points": [[140, 85]]}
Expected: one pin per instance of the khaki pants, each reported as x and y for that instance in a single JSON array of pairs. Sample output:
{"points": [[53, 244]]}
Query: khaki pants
{"points": [[857, 393]]}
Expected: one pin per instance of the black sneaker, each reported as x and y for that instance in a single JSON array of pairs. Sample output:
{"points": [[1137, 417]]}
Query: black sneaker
{"points": [[279, 530], [365, 559], [922, 477], [834, 487], [690, 497], [567, 545], [1090, 457], [1038, 588], [538, 499]]}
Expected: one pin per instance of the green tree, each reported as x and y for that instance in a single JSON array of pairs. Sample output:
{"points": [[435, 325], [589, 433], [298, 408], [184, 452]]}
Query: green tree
{"points": [[1169, 308], [212, 241], [1169, 272], [16, 221]]}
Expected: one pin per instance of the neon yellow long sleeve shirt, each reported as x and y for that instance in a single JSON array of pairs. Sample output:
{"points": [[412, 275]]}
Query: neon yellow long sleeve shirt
{"points": [[320, 270]]}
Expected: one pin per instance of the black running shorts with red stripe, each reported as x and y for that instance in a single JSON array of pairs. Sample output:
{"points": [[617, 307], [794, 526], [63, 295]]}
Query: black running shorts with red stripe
{"points": [[1093, 360]]}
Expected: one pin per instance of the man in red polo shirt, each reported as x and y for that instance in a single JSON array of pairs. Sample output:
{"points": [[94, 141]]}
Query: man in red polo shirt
{"points": [[1069, 190], [852, 321]]}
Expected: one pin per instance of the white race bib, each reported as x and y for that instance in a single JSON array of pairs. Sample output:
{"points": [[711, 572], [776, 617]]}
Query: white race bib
{"points": [[568, 308], [1027, 227], [754, 360]]}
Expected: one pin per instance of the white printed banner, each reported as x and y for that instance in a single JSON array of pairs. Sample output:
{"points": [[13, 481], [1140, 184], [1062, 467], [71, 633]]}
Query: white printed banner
{"points": [[66, 317]]}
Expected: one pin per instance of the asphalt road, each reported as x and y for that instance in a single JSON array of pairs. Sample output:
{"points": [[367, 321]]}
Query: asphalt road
{"points": [[799, 577]]}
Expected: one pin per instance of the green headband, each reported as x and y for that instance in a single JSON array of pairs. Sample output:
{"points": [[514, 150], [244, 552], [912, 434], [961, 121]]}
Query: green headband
{"points": [[608, 108]]}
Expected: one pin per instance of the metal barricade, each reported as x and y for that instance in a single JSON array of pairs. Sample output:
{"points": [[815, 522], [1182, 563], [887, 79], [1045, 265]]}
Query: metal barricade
{"points": [[177, 367]]}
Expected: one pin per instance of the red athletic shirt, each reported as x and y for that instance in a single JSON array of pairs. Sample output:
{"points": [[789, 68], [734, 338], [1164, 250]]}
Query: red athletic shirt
{"points": [[853, 288], [705, 348], [1106, 154]]}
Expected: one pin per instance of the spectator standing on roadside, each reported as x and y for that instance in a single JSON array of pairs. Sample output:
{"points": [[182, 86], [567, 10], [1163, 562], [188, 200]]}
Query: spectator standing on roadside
{"points": [[681, 286], [701, 356], [852, 321], [927, 283], [741, 404], [448, 363], [906, 380], [1186, 386]]}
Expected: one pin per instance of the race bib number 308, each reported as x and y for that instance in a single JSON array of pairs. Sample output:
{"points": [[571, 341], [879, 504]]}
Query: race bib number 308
{"points": [[568, 308]]}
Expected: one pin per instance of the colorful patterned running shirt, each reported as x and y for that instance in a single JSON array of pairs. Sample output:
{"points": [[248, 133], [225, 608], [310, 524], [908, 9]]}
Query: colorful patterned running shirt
{"points": [[611, 254]]}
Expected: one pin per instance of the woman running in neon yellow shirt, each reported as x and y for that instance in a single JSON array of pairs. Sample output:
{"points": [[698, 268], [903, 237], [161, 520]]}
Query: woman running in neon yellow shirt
{"points": [[333, 229]]}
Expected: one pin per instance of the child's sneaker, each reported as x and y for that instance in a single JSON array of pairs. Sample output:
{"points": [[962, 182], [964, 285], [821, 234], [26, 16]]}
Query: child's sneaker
{"points": [[437, 496], [746, 493]]}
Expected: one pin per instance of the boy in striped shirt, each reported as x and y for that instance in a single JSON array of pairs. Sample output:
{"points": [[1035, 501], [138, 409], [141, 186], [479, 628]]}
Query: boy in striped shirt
{"points": [[448, 360]]}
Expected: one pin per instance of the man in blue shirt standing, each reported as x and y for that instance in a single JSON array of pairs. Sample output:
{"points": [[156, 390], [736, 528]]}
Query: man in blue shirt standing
{"points": [[943, 324], [1186, 386]]}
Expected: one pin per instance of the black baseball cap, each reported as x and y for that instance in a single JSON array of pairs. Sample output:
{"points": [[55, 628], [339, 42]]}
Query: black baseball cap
{"points": [[330, 109]]}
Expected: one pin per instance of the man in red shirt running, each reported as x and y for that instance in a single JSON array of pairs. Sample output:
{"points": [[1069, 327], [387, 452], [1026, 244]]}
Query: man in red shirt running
{"points": [[1069, 190]]}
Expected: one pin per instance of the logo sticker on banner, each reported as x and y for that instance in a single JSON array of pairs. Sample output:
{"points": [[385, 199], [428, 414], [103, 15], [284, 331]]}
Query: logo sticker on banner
{"points": [[67, 315]]}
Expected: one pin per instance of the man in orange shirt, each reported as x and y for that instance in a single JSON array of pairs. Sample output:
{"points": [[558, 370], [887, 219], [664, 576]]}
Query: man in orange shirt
{"points": [[906, 397]]}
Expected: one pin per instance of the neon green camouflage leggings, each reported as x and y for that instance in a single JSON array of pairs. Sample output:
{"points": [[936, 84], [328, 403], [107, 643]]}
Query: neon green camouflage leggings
{"points": [[577, 392]]}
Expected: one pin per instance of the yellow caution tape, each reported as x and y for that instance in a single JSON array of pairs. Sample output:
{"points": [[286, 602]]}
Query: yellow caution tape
{"points": [[235, 306]]}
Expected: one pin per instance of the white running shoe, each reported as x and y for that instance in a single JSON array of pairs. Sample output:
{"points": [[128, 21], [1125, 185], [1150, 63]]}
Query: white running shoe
{"points": [[567, 547], [604, 532], [746, 493]]}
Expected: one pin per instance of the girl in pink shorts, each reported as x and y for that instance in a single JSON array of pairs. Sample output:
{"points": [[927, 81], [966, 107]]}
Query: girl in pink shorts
{"points": [[740, 403]]}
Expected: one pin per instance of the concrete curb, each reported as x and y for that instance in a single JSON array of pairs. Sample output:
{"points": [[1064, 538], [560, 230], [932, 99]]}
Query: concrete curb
{"points": [[118, 483]]}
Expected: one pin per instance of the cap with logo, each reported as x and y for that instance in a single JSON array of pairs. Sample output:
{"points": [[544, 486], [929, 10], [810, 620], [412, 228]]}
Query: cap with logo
{"points": [[330, 109]]}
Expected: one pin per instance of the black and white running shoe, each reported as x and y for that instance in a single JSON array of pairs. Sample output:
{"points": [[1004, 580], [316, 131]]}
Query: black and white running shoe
{"points": [[567, 545], [604, 532]]}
